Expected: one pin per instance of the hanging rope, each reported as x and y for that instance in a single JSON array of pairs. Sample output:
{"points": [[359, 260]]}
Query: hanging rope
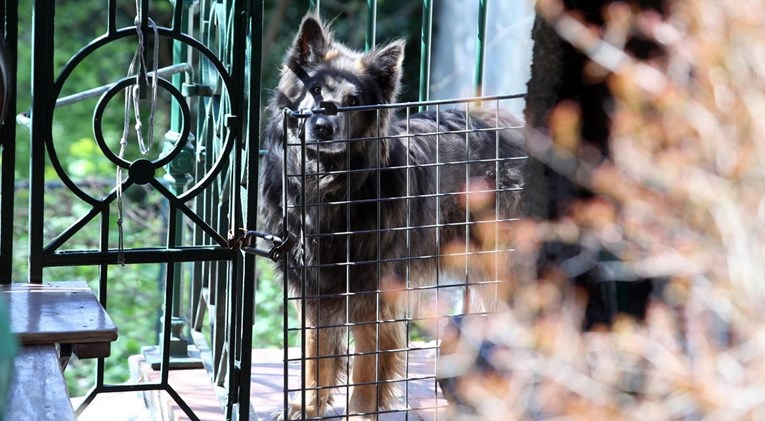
{"points": [[132, 103]]}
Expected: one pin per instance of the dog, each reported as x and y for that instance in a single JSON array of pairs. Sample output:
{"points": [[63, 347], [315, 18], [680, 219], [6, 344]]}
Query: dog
{"points": [[372, 198]]}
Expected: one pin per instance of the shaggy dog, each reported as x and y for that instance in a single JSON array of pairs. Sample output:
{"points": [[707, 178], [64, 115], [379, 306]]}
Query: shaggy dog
{"points": [[371, 198]]}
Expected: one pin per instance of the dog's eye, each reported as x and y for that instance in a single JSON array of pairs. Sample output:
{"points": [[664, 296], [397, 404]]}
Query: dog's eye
{"points": [[316, 89], [351, 101]]}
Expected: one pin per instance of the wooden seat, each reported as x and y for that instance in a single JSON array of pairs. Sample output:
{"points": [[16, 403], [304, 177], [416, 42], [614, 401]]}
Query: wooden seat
{"points": [[52, 321], [63, 313], [38, 391]]}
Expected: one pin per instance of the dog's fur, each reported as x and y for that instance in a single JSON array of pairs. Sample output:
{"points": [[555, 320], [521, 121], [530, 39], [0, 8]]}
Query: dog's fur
{"points": [[371, 198]]}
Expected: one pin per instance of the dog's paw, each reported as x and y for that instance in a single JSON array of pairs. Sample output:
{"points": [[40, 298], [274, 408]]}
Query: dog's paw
{"points": [[295, 411], [292, 412], [358, 413], [366, 417]]}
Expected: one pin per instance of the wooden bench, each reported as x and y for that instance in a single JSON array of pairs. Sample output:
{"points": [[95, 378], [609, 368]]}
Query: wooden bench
{"points": [[52, 321], [38, 391]]}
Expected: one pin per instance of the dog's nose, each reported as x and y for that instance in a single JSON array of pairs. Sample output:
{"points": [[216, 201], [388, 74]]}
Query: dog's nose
{"points": [[323, 128]]}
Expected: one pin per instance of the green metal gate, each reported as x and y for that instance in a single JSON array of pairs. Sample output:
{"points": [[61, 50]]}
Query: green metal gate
{"points": [[210, 147]]}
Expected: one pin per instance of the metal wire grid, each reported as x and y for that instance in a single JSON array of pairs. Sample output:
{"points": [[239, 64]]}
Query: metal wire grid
{"points": [[455, 290]]}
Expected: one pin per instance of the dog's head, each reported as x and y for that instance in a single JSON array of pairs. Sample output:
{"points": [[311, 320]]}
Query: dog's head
{"points": [[319, 69]]}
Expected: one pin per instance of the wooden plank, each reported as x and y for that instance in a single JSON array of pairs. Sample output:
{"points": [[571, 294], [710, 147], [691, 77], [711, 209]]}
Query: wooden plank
{"points": [[38, 391], [60, 312]]}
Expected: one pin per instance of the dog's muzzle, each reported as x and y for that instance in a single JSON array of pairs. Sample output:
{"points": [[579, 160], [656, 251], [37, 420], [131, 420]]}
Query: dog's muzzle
{"points": [[322, 127], [323, 135]]}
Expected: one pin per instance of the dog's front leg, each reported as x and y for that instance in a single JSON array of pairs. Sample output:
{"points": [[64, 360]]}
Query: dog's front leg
{"points": [[378, 362], [323, 368]]}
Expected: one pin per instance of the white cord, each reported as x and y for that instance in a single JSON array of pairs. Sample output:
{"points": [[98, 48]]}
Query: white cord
{"points": [[132, 99]]}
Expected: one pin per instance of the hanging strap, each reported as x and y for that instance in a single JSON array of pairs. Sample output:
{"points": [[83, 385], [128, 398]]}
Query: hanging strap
{"points": [[132, 100]]}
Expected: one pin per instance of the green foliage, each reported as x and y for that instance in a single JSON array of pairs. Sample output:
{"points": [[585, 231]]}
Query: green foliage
{"points": [[81, 163], [268, 330]]}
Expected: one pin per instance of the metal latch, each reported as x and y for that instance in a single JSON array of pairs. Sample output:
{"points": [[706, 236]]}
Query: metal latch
{"points": [[243, 240]]}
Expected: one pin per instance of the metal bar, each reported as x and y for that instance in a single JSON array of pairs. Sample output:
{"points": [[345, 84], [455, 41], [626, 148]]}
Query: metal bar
{"points": [[407, 136], [304, 276], [181, 403], [111, 19], [348, 259], [178, 269], [178, 175], [179, 22], [466, 296], [480, 46], [180, 56], [401, 167], [98, 91], [402, 136], [143, 12], [407, 279], [143, 16], [379, 258], [138, 255], [169, 298], [314, 5], [370, 41], [253, 162], [399, 105], [389, 321], [103, 285], [231, 378], [202, 270], [24, 120], [220, 278], [8, 137], [42, 80], [401, 259], [425, 38], [497, 209], [102, 295], [134, 387], [370, 383], [396, 198], [87, 399], [438, 231], [182, 207], [239, 376], [200, 278], [285, 268]]}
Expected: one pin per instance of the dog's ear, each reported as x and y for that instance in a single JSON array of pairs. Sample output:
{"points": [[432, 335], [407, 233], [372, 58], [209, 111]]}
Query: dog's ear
{"points": [[311, 42], [384, 65]]}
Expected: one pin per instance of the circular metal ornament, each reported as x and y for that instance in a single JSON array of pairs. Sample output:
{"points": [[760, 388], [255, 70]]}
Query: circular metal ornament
{"points": [[141, 171], [119, 87]]}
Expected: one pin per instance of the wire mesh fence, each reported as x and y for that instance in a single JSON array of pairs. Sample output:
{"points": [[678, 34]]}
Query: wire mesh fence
{"points": [[401, 220]]}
